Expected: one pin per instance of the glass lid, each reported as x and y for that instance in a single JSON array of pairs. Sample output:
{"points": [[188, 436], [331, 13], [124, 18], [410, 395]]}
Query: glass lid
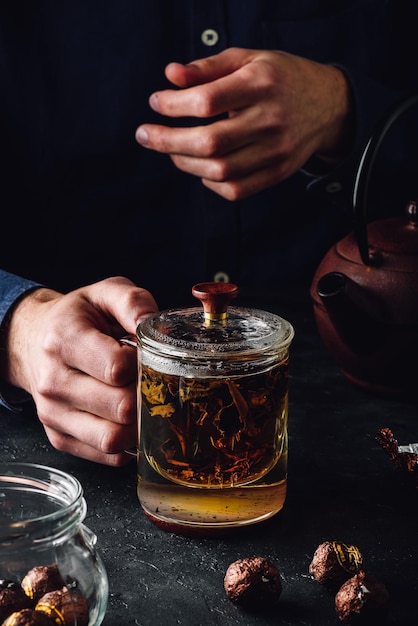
{"points": [[216, 328]]}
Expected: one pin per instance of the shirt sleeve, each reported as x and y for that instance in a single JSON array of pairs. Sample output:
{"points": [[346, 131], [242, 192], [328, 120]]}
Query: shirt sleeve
{"points": [[11, 289]]}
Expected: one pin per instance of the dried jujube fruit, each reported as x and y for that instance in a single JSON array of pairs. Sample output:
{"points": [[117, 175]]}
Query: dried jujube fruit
{"points": [[252, 582], [362, 599], [27, 617], [41, 579], [64, 607], [12, 598], [334, 562]]}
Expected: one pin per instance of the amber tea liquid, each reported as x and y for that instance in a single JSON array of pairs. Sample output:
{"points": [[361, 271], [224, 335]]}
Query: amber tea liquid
{"points": [[213, 451]]}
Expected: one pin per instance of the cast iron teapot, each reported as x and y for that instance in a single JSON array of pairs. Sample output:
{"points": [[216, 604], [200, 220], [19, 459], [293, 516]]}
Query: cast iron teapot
{"points": [[365, 289]]}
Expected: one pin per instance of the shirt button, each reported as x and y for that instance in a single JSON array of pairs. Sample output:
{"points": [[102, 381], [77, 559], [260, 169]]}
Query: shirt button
{"points": [[333, 187], [210, 37], [221, 277]]}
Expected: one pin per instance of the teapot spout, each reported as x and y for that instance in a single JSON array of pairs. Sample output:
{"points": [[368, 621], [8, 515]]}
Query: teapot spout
{"points": [[352, 312]]}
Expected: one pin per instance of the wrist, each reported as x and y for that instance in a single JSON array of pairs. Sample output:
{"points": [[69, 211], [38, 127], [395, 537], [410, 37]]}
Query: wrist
{"points": [[15, 333], [338, 135]]}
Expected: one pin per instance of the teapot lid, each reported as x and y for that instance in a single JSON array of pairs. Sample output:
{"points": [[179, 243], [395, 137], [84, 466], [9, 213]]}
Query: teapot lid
{"points": [[392, 243], [216, 330], [397, 235]]}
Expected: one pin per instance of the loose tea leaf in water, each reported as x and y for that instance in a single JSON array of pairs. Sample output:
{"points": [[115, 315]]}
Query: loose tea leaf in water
{"points": [[214, 432]]}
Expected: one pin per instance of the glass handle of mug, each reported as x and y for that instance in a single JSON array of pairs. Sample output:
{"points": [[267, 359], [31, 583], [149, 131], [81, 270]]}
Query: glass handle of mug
{"points": [[129, 340]]}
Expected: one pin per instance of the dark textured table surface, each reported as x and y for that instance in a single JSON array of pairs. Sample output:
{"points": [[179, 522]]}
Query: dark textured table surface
{"points": [[342, 486]]}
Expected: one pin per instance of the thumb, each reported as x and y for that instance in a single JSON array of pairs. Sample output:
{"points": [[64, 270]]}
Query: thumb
{"points": [[120, 299]]}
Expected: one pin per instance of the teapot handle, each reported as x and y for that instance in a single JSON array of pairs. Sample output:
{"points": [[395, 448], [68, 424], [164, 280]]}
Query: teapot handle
{"points": [[362, 180]]}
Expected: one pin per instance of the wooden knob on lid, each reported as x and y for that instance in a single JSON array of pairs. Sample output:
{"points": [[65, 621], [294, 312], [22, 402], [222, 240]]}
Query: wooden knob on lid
{"points": [[215, 298]]}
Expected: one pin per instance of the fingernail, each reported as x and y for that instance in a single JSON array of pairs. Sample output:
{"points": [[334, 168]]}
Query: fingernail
{"points": [[143, 317], [142, 136], [153, 102]]}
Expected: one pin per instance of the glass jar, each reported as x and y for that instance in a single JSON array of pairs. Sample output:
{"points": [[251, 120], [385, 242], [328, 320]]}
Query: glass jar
{"points": [[41, 530], [212, 411]]}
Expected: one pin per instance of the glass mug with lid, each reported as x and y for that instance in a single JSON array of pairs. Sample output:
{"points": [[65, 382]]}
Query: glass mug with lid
{"points": [[212, 413]]}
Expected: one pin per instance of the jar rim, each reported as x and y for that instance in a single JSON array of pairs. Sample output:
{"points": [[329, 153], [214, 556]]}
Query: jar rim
{"points": [[37, 502]]}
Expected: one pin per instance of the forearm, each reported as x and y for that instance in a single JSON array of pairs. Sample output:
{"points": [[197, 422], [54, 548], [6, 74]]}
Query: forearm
{"points": [[12, 290]]}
